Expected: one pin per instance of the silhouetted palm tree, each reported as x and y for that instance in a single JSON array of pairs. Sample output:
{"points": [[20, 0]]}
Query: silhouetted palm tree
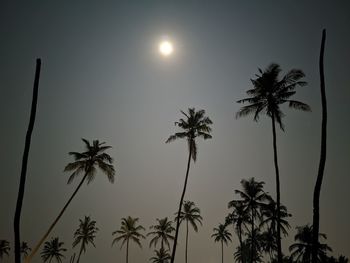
{"points": [[223, 236], [268, 94], [25, 249], [301, 250], [242, 254], [195, 125], [317, 190], [162, 256], [253, 198], [190, 214], [53, 250], [22, 182], [85, 234], [4, 248], [86, 163], [162, 231], [129, 230]]}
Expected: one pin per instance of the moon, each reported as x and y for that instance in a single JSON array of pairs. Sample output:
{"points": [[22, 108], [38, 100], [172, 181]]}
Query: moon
{"points": [[166, 48]]}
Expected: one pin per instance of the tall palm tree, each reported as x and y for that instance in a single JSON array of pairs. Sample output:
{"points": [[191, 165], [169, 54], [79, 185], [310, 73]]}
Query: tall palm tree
{"points": [[85, 234], [195, 125], [162, 256], [163, 232], [4, 248], [301, 250], [223, 236], [24, 249], [85, 163], [190, 214], [129, 230], [253, 199], [53, 250], [22, 182], [322, 164], [268, 93]]}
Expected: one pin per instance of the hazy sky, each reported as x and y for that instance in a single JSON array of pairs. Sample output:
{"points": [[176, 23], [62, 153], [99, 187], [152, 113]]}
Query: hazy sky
{"points": [[102, 78]]}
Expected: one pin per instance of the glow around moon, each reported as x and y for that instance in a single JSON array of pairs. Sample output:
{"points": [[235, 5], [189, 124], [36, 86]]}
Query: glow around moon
{"points": [[166, 48]]}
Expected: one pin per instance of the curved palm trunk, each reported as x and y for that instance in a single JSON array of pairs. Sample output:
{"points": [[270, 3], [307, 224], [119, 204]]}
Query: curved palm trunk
{"points": [[222, 251], [186, 241], [22, 182], [81, 250], [317, 190], [127, 251], [36, 248], [279, 248], [180, 206]]}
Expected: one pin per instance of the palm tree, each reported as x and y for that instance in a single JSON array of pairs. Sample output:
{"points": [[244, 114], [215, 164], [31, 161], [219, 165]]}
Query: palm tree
{"points": [[317, 190], [85, 234], [129, 230], [223, 236], [53, 250], [190, 214], [301, 250], [242, 254], [162, 256], [24, 249], [22, 182], [268, 94], [4, 248], [253, 198], [195, 125], [87, 163], [163, 232]]}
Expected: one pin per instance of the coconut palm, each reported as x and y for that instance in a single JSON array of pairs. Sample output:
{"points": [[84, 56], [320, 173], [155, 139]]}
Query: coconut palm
{"points": [[85, 234], [322, 164], [4, 248], [163, 232], [24, 249], [86, 163], [53, 250], [195, 125], [253, 199], [162, 256], [129, 230], [268, 93], [223, 236], [301, 250], [22, 181], [190, 214]]}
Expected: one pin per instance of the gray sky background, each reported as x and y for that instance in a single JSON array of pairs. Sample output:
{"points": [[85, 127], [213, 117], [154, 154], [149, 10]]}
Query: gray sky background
{"points": [[102, 78]]}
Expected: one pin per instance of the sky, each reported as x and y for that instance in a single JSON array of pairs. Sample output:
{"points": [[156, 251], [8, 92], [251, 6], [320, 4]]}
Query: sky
{"points": [[102, 78]]}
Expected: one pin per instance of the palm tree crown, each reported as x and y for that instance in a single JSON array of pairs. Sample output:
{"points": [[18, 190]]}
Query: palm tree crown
{"points": [[53, 250], [25, 249], [162, 231], [195, 125], [221, 234], [191, 214], [87, 161], [4, 248], [162, 256]]}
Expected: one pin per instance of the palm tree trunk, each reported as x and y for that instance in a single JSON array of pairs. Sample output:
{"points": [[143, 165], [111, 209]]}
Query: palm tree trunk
{"points": [[17, 217], [317, 191], [81, 250], [252, 245], [279, 247], [127, 251], [222, 251], [180, 206], [36, 248], [240, 239], [186, 241]]}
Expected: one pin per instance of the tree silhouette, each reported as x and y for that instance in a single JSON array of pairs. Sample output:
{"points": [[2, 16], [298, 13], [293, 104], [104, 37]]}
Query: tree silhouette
{"points": [[162, 231], [317, 190], [301, 250], [162, 256], [223, 236], [268, 93], [24, 249], [22, 182], [195, 125], [53, 250], [4, 248], [87, 163], [85, 234], [128, 231], [190, 214]]}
